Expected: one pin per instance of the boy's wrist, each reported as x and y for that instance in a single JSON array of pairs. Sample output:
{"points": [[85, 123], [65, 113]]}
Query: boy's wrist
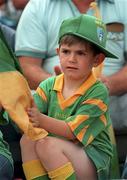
{"points": [[41, 120]]}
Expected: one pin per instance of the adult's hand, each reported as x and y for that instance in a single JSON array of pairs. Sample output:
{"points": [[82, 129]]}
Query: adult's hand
{"points": [[57, 70], [106, 81]]}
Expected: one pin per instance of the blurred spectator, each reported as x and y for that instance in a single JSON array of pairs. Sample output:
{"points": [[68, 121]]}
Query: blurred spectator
{"points": [[11, 11], [2, 2], [19, 4]]}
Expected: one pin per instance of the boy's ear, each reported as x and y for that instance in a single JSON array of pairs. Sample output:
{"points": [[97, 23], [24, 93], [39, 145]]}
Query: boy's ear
{"points": [[99, 59], [57, 50]]}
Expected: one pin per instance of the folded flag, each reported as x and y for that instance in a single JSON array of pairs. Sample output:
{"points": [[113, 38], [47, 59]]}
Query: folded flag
{"points": [[97, 70], [15, 95]]}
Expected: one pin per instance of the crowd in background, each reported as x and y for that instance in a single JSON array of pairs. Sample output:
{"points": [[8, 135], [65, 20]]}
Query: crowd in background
{"points": [[10, 11]]}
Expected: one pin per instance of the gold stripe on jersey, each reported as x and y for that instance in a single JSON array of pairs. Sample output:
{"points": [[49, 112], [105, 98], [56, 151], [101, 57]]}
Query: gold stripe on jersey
{"points": [[97, 102], [103, 119], [41, 93], [81, 134], [77, 121], [90, 139]]}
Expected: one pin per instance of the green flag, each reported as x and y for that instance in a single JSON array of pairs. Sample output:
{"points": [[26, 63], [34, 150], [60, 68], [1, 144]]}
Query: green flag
{"points": [[15, 95]]}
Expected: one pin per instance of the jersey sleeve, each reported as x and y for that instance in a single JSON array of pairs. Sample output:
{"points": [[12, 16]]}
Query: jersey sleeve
{"points": [[31, 32], [42, 95], [92, 116]]}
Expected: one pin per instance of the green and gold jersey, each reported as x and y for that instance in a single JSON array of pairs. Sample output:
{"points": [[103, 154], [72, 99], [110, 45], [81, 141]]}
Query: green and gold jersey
{"points": [[86, 113]]}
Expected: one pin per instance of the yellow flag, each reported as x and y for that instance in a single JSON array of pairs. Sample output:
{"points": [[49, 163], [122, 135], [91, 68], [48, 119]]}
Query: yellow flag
{"points": [[15, 97], [97, 70]]}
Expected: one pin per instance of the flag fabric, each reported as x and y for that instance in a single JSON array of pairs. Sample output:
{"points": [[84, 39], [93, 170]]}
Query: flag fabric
{"points": [[97, 70], [15, 94]]}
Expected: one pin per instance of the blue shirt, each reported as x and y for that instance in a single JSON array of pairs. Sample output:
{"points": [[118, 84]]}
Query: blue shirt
{"points": [[37, 32]]}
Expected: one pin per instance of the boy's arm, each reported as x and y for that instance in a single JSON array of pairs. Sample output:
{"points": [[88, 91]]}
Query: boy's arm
{"points": [[88, 122], [52, 125], [56, 127]]}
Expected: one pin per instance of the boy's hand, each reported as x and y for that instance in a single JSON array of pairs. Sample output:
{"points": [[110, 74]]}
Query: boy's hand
{"points": [[34, 115]]}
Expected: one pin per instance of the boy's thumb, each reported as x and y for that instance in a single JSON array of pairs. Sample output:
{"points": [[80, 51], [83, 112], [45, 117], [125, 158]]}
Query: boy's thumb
{"points": [[33, 103]]}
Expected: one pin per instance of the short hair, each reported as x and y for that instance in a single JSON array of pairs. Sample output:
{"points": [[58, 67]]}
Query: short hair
{"points": [[70, 39]]}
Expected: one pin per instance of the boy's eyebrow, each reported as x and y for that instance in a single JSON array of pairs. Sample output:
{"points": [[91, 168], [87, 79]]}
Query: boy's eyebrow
{"points": [[81, 50], [64, 48], [78, 50], [67, 48]]}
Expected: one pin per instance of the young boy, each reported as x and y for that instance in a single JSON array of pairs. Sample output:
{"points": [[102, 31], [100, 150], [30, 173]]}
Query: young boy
{"points": [[73, 109]]}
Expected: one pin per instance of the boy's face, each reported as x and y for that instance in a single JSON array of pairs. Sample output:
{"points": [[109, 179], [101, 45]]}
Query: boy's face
{"points": [[77, 60]]}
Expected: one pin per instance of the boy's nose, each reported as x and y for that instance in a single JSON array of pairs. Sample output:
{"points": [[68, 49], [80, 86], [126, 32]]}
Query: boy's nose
{"points": [[72, 58]]}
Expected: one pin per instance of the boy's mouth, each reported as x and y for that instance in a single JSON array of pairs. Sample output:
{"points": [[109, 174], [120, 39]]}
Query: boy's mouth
{"points": [[72, 68]]}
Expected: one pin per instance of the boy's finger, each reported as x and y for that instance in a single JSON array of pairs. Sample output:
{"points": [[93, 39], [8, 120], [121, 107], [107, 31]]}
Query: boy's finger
{"points": [[33, 103]]}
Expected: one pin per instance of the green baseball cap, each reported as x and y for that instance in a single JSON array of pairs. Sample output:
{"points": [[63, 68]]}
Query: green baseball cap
{"points": [[89, 28]]}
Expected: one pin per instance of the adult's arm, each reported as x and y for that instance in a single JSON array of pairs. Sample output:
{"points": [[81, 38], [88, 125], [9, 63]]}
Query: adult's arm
{"points": [[33, 71], [117, 83], [20, 4], [31, 42]]}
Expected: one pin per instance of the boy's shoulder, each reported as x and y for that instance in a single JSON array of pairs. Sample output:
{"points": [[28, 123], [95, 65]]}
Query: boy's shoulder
{"points": [[48, 82], [101, 85], [98, 89]]}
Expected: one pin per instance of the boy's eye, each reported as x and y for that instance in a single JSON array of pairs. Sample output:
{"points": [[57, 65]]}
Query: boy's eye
{"points": [[81, 53], [65, 51]]}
